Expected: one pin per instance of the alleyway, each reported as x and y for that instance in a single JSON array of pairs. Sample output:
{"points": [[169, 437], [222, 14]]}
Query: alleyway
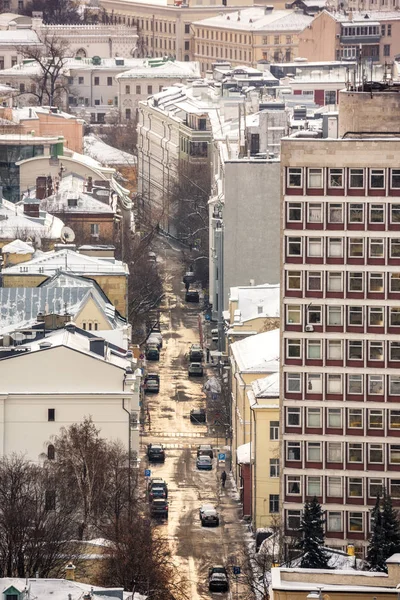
{"points": [[195, 548]]}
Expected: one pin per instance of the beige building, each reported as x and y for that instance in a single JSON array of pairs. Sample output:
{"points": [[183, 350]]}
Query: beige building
{"points": [[166, 27], [336, 36], [248, 36], [253, 309]]}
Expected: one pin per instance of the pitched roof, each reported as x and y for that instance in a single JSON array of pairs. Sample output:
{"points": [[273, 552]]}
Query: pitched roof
{"points": [[106, 154], [18, 247], [13, 221], [72, 188], [257, 19], [258, 301], [258, 353], [168, 69]]}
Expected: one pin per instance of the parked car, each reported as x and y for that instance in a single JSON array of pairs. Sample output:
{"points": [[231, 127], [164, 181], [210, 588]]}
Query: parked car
{"points": [[152, 383], [204, 463], [159, 508], [205, 450], [198, 415], [195, 369], [208, 515], [157, 482], [156, 453], [192, 297], [218, 579], [157, 492], [152, 352], [155, 338], [214, 335], [195, 353]]}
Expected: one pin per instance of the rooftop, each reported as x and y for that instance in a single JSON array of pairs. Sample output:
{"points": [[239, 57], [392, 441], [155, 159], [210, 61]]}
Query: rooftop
{"points": [[258, 353], [71, 197], [18, 247], [14, 223], [95, 148], [168, 69], [256, 301], [258, 19], [16, 37]]}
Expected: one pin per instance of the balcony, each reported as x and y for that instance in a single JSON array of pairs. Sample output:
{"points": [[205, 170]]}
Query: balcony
{"points": [[360, 39]]}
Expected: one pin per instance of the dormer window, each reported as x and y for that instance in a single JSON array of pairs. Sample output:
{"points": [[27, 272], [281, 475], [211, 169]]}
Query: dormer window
{"points": [[72, 202]]}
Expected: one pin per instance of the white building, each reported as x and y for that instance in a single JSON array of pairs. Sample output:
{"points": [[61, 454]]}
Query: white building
{"points": [[69, 375], [30, 222]]}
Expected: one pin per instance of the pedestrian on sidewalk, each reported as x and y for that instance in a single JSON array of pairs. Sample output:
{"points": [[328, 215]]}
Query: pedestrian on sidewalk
{"points": [[208, 354], [223, 478]]}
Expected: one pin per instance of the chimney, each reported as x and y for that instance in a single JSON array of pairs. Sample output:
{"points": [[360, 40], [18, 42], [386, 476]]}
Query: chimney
{"points": [[97, 346], [70, 572], [89, 185], [70, 327], [268, 9], [31, 208]]}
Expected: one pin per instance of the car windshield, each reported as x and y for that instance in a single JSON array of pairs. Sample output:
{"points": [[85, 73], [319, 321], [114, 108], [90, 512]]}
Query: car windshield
{"points": [[205, 459]]}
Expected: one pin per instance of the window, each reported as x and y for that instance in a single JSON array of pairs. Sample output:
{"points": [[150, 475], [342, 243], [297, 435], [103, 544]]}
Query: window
{"points": [[187, 28], [314, 383], [375, 351], [375, 315], [51, 453], [138, 89], [356, 213], [315, 247], [356, 248], [293, 348], [273, 503], [149, 89], [355, 488], [355, 282], [355, 453], [274, 467], [335, 213], [314, 417], [395, 248], [128, 114], [293, 451], [389, 31], [109, 81], [336, 178], [293, 313], [315, 179], [293, 519], [334, 450], [335, 247], [294, 211], [335, 282], [395, 351], [334, 521], [335, 487], [293, 485], [386, 49], [314, 349], [81, 80], [375, 453], [356, 315], [356, 180], [395, 179], [355, 418], [50, 500], [356, 521], [334, 350], [276, 39], [383, 30], [334, 384], [313, 486], [394, 422], [293, 382], [335, 315], [94, 229], [314, 451], [293, 417], [295, 177], [377, 213], [355, 349], [355, 384], [274, 430], [377, 178], [51, 414], [314, 281], [315, 213], [375, 419], [294, 246], [395, 282], [334, 418], [375, 488], [394, 488], [187, 45], [395, 213], [294, 280], [314, 314], [376, 282], [97, 81], [394, 454]]}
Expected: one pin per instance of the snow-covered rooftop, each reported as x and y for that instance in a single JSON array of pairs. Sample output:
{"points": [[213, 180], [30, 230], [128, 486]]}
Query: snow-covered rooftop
{"points": [[365, 17], [106, 154], [16, 37], [60, 589], [257, 19], [256, 301], [14, 223], [243, 454], [18, 247], [266, 387], [166, 70], [258, 353], [71, 197]]}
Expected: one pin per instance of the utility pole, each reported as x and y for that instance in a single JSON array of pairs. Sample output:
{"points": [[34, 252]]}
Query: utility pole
{"points": [[219, 245]]}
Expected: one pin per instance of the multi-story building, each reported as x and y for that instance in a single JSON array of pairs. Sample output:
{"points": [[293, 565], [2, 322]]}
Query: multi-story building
{"points": [[340, 317], [248, 36], [374, 36]]}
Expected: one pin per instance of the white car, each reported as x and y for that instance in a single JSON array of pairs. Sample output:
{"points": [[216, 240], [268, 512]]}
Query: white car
{"points": [[208, 515]]}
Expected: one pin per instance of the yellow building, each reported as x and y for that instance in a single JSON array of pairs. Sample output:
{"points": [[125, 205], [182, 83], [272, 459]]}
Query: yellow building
{"points": [[255, 423], [248, 36], [253, 309]]}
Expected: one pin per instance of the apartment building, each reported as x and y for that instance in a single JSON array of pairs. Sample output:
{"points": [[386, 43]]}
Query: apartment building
{"points": [[340, 350], [373, 35], [248, 36]]}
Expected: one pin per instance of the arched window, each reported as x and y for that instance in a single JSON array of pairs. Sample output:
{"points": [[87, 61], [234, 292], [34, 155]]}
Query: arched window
{"points": [[81, 53], [51, 453]]}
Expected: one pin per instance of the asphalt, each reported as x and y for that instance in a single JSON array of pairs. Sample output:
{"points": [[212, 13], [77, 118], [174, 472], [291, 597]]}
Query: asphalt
{"points": [[194, 548]]}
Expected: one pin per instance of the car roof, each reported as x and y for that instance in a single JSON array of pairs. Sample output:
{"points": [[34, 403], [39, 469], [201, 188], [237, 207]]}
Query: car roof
{"points": [[195, 364], [157, 480], [206, 458], [203, 446], [195, 346], [156, 446], [206, 506]]}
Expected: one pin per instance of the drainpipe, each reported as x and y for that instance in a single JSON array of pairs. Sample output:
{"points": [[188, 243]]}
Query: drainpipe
{"points": [[254, 465], [129, 452]]}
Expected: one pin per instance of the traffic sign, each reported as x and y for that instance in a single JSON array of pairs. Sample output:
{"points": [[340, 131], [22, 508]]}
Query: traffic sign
{"points": [[236, 570], [147, 472], [221, 456]]}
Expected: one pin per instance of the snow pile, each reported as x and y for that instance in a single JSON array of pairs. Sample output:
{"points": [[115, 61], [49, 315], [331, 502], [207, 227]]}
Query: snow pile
{"points": [[243, 454], [105, 154]]}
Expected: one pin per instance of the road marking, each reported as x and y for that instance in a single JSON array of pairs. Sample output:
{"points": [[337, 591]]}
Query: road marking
{"points": [[166, 434]]}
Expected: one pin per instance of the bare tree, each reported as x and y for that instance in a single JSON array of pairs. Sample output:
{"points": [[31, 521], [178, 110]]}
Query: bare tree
{"points": [[54, 11]]}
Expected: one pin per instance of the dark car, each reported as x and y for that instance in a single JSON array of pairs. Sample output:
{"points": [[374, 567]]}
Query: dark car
{"points": [[192, 297], [159, 508], [156, 453], [152, 383], [218, 579], [157, 482], [157, 492], [198, 415], [152, 352], [205, 450], [208, 515], [195, 353]]}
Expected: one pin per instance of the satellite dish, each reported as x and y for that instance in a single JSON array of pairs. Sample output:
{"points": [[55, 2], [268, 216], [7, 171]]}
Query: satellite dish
{"points": [[67, 235]]}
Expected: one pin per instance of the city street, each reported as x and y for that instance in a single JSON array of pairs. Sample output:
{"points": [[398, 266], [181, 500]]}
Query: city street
{"points": [[193, 547]]}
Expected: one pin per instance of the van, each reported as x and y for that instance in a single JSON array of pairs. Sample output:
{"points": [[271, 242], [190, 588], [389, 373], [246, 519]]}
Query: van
{"points": [[155, 338]]}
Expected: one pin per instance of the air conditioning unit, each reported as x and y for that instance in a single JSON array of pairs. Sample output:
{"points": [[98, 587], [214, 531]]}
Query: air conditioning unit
{"points": [[309, 328]]}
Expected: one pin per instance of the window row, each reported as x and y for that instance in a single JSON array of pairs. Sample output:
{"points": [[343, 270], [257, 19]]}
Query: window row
{"points": [[223, 36], [334, 213], [338, 281], [339, 452], [341, 178], [337, 316], [338, 487], [333, 247], [336, 418], [351, 349], [337, 383]]}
